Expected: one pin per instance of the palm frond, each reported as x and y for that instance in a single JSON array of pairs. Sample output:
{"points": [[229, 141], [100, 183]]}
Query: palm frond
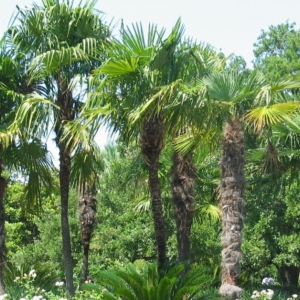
{"points": [[207, 211], [120, 67], [53, 60], [34, 163], [269, 93], [86, 166], [143, 204], [33, 117], [270, 115], [197, 139]]}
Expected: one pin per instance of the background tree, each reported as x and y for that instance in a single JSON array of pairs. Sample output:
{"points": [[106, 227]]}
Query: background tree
{"points": [[277, 52]]}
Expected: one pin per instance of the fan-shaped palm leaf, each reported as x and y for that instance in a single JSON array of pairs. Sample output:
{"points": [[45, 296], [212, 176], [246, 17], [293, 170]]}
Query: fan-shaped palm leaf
{"points": [[270, 115], [33, 162]]}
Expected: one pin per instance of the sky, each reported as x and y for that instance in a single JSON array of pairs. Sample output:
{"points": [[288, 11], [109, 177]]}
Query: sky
{"points": [[229, 25], [232, 26]]}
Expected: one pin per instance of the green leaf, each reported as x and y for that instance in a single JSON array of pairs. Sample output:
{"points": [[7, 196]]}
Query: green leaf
{"points": [[270, 115]]}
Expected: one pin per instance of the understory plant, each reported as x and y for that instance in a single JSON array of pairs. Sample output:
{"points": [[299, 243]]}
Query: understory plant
{"points": [[27, 283], [131, 283]]}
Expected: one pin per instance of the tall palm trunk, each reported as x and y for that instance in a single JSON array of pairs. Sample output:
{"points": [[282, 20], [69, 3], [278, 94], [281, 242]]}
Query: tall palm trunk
{"points": [[3, 184], [87, 214], [65, 102], [64, 176], [232, 203], [151, 144], [183, 177]]}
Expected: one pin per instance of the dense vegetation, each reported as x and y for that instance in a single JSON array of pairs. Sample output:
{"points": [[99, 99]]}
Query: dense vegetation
{"points": [[197, 196]]}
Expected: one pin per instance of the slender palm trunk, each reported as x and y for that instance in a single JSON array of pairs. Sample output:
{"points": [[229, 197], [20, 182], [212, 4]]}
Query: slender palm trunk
{"points": [[152, 143], [232, 203], [2, 233], [64, 174], [183, 177], [65, 102]]}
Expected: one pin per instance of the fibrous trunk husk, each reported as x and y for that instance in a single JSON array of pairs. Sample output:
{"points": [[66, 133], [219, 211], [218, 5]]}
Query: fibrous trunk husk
{"points": [[151, 140], [183, 177], [87, 217], [232, 204]]}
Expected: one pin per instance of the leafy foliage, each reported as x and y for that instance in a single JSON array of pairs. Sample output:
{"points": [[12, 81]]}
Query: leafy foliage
{"points": [[277, 51], [132, 283]]}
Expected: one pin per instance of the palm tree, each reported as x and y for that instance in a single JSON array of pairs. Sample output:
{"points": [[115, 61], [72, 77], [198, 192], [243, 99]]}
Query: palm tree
{"points": [[139, 76], [60, 43], [236, 92], [193, 63], [151, 93], [231, 89], [26, 155], [86, 165]]}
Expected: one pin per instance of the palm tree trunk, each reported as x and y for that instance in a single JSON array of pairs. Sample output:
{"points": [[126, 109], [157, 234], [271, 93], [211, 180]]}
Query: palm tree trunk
{"points": [[64, 174], [66, 113], [158, 215], [232, 203], [85, 264], [152, 143], [289, 275], [87, 217], [183, 177], [3, 249]]}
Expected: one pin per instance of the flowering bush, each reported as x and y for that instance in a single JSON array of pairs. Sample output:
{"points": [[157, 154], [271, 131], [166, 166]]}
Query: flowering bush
{"points": [[268, 294], [28, 291], [264, 294]]}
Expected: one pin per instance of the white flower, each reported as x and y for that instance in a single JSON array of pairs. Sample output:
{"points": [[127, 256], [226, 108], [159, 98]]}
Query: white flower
{"points": [[59, 283], [294, 295], [32, 273], [3, 296], [255, 294], [270, 293], [37, 298]]}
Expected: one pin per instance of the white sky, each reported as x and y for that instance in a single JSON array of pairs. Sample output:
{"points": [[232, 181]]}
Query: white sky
{"points": [[229, 25]]}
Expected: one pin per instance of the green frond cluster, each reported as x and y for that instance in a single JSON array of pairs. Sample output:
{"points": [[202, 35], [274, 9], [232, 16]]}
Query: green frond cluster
{"points": [[135, 284]]}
